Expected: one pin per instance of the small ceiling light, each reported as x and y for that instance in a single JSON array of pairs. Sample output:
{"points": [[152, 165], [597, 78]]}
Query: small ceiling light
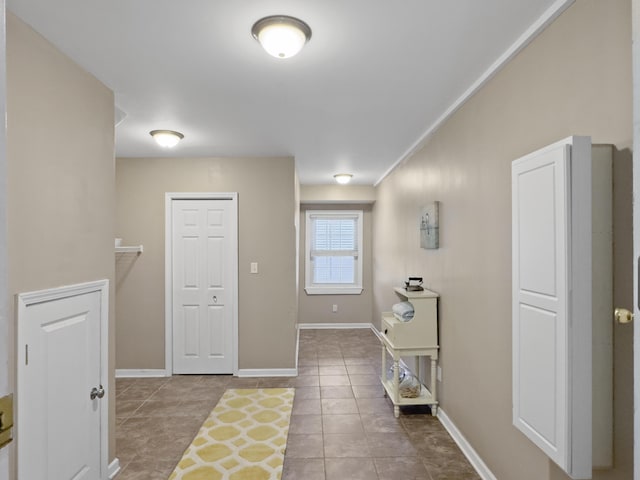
{"points": [[343, 178], [280, 35], [166, 138]]}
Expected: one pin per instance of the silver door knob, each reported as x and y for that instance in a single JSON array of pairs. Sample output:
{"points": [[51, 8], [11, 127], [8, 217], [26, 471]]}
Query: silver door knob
{"points": [[97, 392], [622, 315]]}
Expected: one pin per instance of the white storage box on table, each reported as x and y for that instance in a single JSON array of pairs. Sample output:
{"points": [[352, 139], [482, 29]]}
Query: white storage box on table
{"points": [[416, 337], [422, 330]]}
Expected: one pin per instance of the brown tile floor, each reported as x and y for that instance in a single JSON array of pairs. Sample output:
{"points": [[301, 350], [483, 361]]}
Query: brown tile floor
{"points": [[342, 426]]}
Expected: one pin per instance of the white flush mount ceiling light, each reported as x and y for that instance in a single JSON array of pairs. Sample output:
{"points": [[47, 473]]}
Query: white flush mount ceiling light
{"points": [[166, 138], [343, 178], [280, 35]]}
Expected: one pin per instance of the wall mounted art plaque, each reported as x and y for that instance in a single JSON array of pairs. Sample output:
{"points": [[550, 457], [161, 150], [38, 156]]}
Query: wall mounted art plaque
{"points": [[429, 226]]}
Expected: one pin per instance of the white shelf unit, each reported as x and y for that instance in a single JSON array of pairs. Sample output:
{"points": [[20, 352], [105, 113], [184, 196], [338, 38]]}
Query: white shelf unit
{"points": [[417, 337], [138, 249]]}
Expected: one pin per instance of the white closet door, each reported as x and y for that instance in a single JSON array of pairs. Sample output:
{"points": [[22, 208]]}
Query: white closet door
{"points": [[203, 258], [546, 371]]}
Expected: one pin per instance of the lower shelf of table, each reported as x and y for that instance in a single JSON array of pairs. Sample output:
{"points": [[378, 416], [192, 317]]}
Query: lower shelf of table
{"points": [[425, 398]]}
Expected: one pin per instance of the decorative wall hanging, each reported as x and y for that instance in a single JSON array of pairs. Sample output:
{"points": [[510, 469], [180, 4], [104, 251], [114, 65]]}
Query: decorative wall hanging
{"points": [[429, 226]]}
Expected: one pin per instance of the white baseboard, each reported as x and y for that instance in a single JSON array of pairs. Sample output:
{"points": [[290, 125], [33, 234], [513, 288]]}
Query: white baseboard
{"points": [[114, 468], [297, 346], [466, 447], [243, 372], [268, 372], [141, 373], [326, 326]]}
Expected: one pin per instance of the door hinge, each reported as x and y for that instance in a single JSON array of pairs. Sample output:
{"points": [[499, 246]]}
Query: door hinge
{"points": [[26, 354]]}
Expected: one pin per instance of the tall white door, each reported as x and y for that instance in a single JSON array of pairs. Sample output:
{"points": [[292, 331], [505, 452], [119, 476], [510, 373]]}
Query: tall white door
{"points": [[203, 259], [540, 232], [60, 434], [551, 221]]}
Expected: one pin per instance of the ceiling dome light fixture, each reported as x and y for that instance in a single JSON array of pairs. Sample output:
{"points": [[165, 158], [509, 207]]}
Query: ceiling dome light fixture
{"points": [[343, 178], [166, 138], [280, 35]]}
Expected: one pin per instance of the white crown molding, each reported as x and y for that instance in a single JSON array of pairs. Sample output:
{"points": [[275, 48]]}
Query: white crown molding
{"points": [[527, 37]]}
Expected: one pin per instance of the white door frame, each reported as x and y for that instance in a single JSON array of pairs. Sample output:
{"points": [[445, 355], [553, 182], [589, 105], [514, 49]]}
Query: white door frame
{"points": [[636, 234], [24, 300], [168, 269]]}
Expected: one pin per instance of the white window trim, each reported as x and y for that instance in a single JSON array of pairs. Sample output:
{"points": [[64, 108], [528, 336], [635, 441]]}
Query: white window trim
{"points": [[333, 289]]}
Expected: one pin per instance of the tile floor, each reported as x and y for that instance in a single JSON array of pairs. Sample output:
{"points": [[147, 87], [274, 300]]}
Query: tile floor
{"points": [[342, 426]]}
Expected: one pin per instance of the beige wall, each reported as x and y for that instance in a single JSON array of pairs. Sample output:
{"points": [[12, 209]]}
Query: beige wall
{"points": [[266, 234], [575, 78], [60, 172], [351, 308]]}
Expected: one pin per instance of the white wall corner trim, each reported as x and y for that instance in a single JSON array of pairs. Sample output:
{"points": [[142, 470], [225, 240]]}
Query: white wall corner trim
{"points": [[141, 373], [268, 372], [546, 19], [5, 363], [466, 447], [328, 326], [114, 468]]}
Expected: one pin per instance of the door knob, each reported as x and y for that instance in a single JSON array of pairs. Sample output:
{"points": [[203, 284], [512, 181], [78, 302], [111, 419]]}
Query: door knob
{"points": [[97, 392], [622, 315]]}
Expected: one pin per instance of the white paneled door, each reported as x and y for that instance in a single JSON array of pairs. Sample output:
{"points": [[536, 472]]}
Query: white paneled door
{"points": [[204, 255], [62, 383], [551, 221], [540, 233]]}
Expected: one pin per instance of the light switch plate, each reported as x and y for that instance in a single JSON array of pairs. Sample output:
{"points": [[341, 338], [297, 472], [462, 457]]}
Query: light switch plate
{"points": [[254, 267]]}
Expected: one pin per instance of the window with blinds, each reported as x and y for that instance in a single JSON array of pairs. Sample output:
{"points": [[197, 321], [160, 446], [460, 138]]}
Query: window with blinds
{"points": [[333, 247]]}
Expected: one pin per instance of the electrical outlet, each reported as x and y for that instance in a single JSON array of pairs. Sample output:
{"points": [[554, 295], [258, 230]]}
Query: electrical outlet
{"points": [[335, 309], [439, 374]]}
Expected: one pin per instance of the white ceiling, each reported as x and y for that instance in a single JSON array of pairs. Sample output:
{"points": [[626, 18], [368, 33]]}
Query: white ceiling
{"points": [[375, 78]]}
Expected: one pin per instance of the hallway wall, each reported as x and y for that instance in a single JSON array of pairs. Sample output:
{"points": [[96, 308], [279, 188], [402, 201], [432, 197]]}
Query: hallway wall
{"points": [[351, 308], [318, 309], [267, 309], [60, 171], [574, 78]]}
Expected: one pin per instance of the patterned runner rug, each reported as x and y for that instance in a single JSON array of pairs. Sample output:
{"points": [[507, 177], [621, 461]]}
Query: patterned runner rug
{"points": [[244, 438]]}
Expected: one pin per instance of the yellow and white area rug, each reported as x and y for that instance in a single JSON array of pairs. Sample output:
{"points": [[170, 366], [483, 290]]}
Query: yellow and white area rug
{"points": [[244, 438]]}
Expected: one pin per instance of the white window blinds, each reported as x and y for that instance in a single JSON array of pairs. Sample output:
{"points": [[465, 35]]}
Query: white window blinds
{"points": [[333, 247]]}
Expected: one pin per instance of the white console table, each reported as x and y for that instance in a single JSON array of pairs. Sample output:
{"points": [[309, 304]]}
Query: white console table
{"points": [[417, 337]]}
